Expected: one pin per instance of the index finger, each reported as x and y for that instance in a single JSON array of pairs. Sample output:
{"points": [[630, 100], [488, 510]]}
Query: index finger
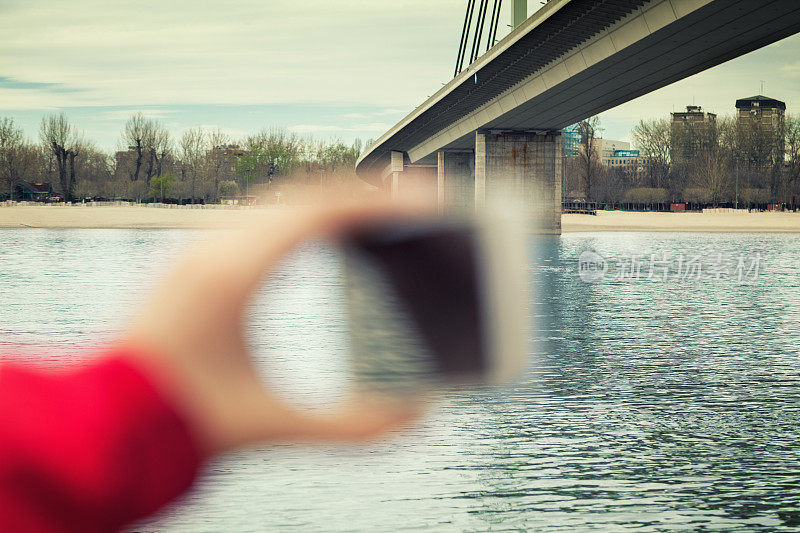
{"points": [[240, 260]]}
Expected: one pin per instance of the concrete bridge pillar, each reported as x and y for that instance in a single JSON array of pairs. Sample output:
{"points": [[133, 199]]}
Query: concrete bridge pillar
{"points": [[522, 166], [397, 166], [402, 178], [456, 180]]}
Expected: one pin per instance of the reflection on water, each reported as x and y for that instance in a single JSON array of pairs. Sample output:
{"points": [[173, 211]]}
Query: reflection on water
{"points": [[668, 405]]}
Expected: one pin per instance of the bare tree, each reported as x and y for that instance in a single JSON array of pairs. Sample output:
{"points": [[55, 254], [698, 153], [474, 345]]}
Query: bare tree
{"points": [[133, 138], [61, 138], [157, 144], [217, 158], [793, 155], [761, 147], [611, 184], [711, 177], [192, 155], [16, 158], [692, 139], [652, 138], [588, 152], [148, 141], [148, 159], [93, 172], [271, 152]]}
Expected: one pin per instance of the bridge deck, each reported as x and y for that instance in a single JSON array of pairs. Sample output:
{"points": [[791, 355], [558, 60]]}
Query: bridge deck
{"points": [[544, 75]]}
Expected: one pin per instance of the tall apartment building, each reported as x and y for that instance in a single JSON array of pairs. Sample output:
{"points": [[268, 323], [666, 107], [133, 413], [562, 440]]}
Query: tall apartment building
{"points": [[227, 156], [692, 131], [762, 128], [767, 111], [694, 114]]}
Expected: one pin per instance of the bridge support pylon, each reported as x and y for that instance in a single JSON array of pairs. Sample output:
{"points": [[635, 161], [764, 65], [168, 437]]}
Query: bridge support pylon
{"points": [[456, 181], [403, 179], [525, 167]]}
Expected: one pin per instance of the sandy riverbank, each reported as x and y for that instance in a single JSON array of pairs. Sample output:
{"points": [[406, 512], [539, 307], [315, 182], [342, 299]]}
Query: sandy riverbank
{"points": [[119, 217], [200, 218], [721, 222]]}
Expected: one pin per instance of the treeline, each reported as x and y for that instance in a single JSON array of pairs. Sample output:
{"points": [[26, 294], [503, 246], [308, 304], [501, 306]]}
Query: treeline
{"points": [[150, 164], [712, 162]]}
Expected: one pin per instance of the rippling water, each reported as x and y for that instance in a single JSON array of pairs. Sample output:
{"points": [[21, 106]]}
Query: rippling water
{"points": [[658, 405]]}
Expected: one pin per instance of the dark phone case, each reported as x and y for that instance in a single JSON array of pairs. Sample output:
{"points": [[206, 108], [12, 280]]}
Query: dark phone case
{"points": [[414, 305]]}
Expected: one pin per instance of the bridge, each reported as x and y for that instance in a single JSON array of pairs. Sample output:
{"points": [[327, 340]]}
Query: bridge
{"points": [[497, 124]]}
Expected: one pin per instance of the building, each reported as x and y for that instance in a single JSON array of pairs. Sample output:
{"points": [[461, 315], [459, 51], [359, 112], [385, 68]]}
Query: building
{"points": [[572, 140], [228, 157], [766, 111], [125, 161], [607, 147], [694, 114], [625, 159], [692, 131], [603, 148], [36, 192], [761, 122]]}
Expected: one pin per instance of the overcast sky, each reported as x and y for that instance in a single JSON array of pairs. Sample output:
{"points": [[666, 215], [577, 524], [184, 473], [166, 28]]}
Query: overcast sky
{"points": [[334, 68]]}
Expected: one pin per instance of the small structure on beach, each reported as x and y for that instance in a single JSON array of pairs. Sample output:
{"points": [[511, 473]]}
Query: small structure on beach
{"points": [[242, 200], [36, 192]]}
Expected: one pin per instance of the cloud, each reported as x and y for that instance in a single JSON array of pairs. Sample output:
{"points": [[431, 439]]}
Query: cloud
{"points": [[12, 83], [151, 53], [364, 63]]}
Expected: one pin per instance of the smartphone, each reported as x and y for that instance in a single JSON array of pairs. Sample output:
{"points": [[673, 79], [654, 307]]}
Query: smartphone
{"points": [[437, 302]]}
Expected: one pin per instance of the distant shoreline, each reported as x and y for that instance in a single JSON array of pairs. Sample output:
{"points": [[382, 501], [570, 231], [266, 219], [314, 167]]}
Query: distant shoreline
{"points": [[716, 222], [211, 217], [88, 216]]}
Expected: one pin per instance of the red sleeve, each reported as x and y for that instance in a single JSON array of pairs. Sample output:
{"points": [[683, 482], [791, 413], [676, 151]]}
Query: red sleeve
{"points": [[88, 450]]}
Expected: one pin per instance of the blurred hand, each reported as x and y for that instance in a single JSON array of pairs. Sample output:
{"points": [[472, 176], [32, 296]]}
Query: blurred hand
{"points": [[191, 336]]}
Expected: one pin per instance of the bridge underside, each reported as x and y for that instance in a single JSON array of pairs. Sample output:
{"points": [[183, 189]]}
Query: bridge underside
{"points": [[573, 91], [574, 59], [522, 167]]}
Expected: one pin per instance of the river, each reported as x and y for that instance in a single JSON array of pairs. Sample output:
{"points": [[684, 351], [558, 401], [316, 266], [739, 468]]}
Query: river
{"points": [[664, 394]]}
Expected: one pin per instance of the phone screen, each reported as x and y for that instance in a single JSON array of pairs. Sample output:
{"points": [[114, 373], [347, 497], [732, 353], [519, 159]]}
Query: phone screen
{"points": [[416, 304]]}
